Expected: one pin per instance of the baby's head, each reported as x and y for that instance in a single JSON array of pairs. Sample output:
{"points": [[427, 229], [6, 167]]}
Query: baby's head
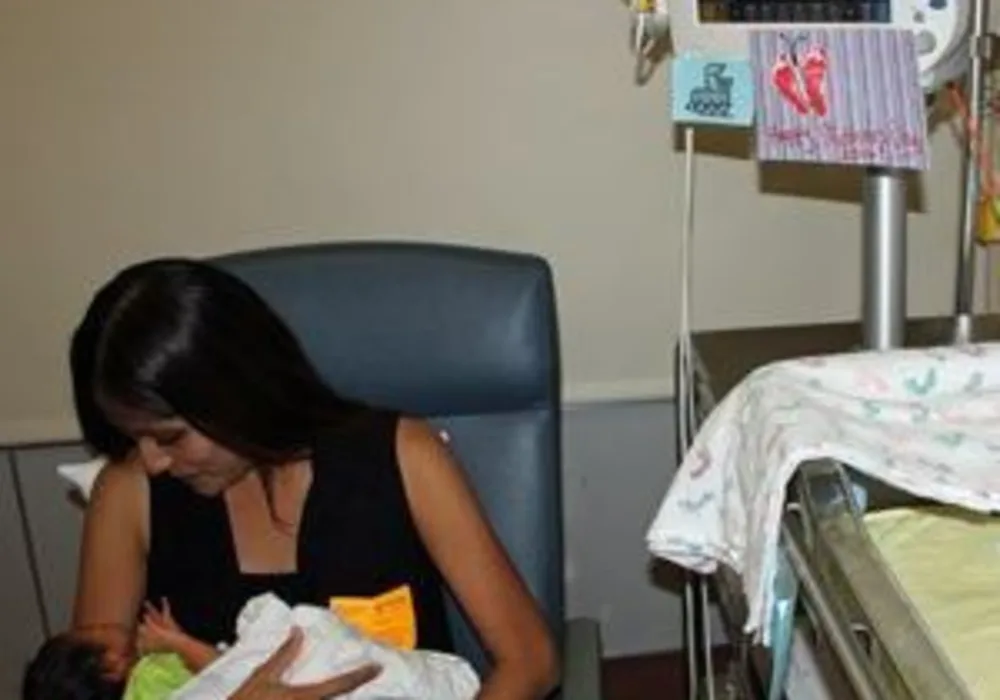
{"points": [[73, 667]]}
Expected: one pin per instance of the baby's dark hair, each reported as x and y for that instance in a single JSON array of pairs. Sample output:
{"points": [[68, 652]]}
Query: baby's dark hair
{"points": [[66, 668]]}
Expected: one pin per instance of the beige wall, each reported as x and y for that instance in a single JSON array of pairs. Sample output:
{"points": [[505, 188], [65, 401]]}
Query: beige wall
{"points": [[130, 128]]}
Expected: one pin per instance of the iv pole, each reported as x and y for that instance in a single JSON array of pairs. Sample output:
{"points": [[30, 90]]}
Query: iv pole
{"points": [[883, 227], [884, 222], [981, 54]]}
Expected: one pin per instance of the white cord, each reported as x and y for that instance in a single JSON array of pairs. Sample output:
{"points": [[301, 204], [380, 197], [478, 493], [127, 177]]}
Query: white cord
{"points": [[639, 33], [684, 332], [688, 374], [683, 412], [687, 417]]}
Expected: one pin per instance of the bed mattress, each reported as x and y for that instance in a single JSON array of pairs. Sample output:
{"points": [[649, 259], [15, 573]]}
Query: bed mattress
{"points": [[946, 561]]}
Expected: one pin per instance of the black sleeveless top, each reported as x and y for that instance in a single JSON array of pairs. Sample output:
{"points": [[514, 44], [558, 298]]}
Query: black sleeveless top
{"points": [[356, 538]]}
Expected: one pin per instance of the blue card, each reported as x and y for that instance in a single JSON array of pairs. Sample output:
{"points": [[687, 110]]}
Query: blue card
{"points": [[712, 90]]}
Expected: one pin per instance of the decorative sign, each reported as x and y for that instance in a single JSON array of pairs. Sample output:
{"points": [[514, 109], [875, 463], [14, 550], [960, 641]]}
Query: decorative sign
{"points": [[844, 96], [712, 90]]}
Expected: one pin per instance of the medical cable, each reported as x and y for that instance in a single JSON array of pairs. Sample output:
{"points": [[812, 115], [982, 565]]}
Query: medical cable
{"points": [[687, 415]]}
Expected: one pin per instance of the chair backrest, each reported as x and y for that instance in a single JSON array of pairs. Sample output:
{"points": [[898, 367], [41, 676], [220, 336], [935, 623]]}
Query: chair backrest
{"points": [[465, 337]]}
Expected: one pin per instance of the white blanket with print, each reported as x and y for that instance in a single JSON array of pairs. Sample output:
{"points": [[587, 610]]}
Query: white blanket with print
{"points": [[926, 421]]}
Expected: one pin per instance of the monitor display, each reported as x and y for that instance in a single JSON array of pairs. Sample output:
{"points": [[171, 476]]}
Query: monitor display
{"points": [[794, 11]]}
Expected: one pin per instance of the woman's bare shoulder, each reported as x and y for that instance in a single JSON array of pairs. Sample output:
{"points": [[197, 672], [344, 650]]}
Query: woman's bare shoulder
{"points": [[120, 497], [120, 479]]}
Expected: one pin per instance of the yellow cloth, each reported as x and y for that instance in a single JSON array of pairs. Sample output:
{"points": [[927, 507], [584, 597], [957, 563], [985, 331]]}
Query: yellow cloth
{"points": [[389, 618], [947, 560]]}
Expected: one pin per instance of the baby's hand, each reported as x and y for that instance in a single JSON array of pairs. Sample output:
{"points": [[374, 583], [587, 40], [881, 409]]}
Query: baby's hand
{"points": [[159, 632]]}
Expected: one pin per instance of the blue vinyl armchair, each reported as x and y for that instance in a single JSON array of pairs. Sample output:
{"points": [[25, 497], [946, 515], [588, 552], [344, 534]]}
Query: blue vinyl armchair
{"points": [[468, 339]]}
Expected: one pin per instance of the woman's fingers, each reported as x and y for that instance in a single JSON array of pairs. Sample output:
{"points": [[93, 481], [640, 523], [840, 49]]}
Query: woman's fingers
{"points": [[265, 682], [280, 660], [340, 685]]}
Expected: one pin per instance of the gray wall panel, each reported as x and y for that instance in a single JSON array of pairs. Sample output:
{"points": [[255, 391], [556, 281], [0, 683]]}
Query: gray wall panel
{"points": [[20, 620], [618, 461], [55, 523]]}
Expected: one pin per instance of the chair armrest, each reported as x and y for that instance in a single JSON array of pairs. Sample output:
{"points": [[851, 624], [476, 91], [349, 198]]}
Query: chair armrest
{"points": [[581, 672]]}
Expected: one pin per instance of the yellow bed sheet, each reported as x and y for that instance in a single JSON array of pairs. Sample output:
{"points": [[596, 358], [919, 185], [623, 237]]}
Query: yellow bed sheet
{"points": [[947, 561]]}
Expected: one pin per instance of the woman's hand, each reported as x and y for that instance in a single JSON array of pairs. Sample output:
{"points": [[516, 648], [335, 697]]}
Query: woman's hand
{"points": [[265, 683]]}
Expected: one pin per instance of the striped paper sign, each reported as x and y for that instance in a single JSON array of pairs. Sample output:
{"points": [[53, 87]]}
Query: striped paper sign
{"points": [[844, 96]]}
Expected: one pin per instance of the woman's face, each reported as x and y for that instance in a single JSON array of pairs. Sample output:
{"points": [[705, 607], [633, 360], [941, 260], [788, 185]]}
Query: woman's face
{"points": [[173, 446]]}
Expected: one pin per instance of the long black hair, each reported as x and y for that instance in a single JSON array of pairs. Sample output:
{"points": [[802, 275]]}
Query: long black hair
{"points": [[183, 338]]}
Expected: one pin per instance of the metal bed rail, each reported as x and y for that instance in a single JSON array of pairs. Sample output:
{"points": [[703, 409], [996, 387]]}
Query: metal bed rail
{"points": [[720, 360], [879, 638], [871, 639], [831, 618]]}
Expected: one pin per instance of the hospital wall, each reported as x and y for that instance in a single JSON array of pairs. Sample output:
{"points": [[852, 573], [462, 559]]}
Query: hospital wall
{"points": [[134, 128]]}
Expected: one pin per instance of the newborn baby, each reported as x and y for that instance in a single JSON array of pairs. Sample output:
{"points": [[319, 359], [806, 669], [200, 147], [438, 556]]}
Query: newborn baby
{"points": [[73, 666], [330, 647], [100, 662]]}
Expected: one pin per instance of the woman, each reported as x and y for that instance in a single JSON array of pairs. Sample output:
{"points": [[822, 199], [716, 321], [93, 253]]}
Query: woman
{"points": [[235, 470]]}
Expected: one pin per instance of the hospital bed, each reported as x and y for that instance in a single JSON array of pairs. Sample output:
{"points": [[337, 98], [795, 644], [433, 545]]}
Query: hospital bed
{"points": [[865, 635]]}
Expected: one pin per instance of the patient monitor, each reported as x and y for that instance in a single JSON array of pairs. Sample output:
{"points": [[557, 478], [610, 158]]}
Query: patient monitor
{"points": [[721, 27]]}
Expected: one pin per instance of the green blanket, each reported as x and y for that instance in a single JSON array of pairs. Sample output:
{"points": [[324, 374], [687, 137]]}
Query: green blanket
{"points": [[156, 677]]}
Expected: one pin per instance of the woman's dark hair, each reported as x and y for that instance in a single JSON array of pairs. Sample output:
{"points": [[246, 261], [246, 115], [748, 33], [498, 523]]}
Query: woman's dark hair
{"points": [[68, 669], [183, 338]]}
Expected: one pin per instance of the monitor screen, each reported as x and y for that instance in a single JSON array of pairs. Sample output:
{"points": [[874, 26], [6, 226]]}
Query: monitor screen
{"points": [[794, 11]]}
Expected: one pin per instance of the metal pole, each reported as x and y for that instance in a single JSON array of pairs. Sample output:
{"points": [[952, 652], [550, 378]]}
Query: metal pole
{"points": [[965, 282], [884, 251]]}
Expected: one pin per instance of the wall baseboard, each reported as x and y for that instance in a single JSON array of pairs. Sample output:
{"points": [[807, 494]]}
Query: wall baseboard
{"points": [[64, 431], [627, 391]]}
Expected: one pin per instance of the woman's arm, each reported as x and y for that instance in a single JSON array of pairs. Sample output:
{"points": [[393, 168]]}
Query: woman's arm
{"points": [[476, 567], [112, 574]]}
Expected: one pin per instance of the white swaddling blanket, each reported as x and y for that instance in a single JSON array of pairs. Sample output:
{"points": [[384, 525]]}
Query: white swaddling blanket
{"points": [[926, 421], [330, 647]]}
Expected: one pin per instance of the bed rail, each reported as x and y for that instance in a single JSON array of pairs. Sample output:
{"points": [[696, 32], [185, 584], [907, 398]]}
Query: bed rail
{"points": [[832, 619], [879, 639]]}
